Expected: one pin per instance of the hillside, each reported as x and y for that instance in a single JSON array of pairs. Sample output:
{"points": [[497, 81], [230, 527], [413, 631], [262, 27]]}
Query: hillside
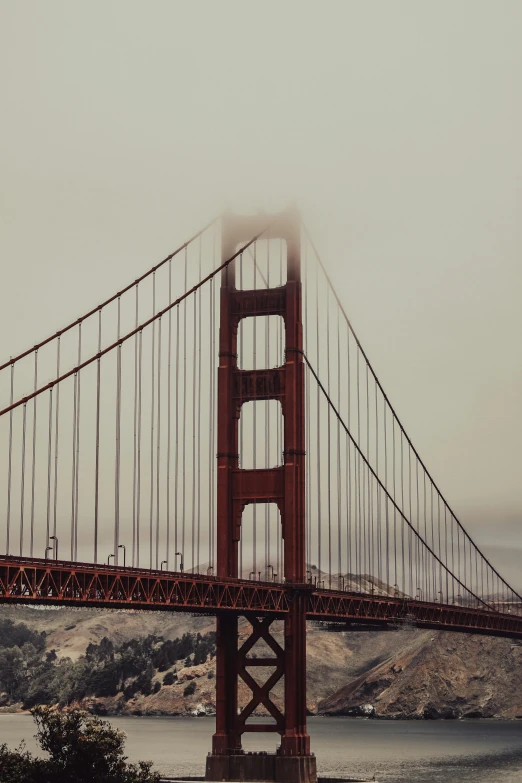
{"points": [[400, 673]]}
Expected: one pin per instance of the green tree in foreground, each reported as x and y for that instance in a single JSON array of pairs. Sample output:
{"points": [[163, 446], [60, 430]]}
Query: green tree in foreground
{"points": [[81, 748]]}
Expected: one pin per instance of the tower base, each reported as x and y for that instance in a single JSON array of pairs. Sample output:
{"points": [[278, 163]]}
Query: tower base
{"points": [[261, 767]]}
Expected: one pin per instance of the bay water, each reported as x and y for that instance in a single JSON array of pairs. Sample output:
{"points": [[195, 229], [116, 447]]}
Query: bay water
{"points": [[393, 751]]}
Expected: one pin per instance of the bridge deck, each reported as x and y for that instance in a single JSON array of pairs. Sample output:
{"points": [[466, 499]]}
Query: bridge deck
{"points": [[35, 581]]}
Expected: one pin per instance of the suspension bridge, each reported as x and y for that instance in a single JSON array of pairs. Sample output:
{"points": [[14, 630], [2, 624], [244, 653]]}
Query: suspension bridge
{"points": [[213, 438]]}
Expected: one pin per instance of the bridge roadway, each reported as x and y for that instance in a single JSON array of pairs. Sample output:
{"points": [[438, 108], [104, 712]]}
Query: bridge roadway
{"points": [[34, 581]]}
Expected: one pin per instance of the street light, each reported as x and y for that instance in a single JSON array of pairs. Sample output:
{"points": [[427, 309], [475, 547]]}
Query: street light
{"points": [[47, 549], [180, 555], [122, 546], [419, 590], [210, 570], [272, 567], [55, 539], [441, 596], [162, 562], [396, 594], [274, 577], [109, 559], [252, 573]]}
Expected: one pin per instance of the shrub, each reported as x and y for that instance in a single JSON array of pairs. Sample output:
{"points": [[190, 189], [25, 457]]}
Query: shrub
{"points": [[157, 686], [190, 689], [169, 678], [81, 748], [18, 634]]}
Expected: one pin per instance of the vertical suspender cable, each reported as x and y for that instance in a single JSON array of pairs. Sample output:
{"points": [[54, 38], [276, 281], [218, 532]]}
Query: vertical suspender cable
{"points": [[387, 521], [308, 556], [56, 437], [339, 538], [211, 455], [318, 452], [49, 468], [358, 517], [176, 438], [33, 471], [439, 534], [349, 537], [135, 428], [22, 482], [152, 417], [138, 449], [9, 465], [434, 563], [97, 445], [77, 461], [377, 493], [403, 564], [158, 446], [369, 519], [184, 419], [73, 474], [395, 575], [213, 419], [169, 405], [199, 460], [329, 442], [410, 540], [118, 445], [423, 576], [193, 402]]}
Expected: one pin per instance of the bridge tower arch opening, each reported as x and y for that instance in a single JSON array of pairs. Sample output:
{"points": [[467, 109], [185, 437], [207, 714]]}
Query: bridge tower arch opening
{"points": [[238, 487]]}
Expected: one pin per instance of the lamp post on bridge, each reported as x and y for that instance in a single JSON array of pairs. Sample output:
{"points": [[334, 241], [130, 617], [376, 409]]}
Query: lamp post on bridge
{"points": [[162, 563], [180, 555], [55, 539], [419, 590], [109, 559], [122, 546], [47, 549]]}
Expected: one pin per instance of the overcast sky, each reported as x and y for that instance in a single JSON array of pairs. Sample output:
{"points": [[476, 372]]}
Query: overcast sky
{"points": [[395, 127]]}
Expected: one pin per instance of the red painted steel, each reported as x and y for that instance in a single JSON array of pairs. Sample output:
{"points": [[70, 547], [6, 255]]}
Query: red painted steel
{"points": [[284, 486], [34, 581]]}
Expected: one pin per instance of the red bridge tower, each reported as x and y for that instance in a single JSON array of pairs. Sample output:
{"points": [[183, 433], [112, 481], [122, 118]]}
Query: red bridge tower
{"points": [[283, 485]]}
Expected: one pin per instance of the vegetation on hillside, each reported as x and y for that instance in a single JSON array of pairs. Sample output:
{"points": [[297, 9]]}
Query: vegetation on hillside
{"points": [[79, 748], [33, 676]]}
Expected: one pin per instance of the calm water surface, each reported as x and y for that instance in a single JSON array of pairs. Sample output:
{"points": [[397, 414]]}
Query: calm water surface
{"points": [[395, 752]]}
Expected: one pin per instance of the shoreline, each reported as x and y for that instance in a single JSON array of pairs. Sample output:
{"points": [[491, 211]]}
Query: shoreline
{"points": [[380, 718]]}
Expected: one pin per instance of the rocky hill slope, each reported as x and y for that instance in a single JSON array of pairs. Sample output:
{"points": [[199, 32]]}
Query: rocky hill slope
{"points": [[389, 674]]}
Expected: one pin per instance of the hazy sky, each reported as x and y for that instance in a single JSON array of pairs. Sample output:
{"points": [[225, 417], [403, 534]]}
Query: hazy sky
{"points": [[395, 126]]}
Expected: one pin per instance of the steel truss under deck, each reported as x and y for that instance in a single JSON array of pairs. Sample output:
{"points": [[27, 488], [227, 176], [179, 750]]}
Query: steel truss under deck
{"points": [[34, 581]]}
